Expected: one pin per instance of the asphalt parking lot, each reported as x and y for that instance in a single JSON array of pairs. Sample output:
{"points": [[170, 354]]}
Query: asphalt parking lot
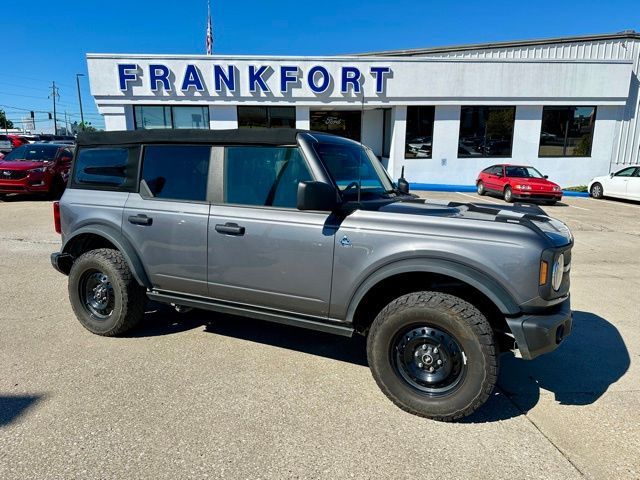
{"points": [[201, 395]]}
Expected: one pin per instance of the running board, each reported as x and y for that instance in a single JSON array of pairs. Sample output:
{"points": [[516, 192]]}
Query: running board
{"points": [[252, 312]]}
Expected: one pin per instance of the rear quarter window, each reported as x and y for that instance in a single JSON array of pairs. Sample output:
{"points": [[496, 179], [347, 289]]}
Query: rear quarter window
{"points": [[106, 168]]}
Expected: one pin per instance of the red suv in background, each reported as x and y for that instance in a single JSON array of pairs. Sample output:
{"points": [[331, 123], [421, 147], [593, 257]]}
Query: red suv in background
{"points": [[36, 168], [517, 182]]}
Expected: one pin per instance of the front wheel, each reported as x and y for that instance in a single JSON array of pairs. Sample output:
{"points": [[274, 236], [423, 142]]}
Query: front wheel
{"points": [[596, 190], [508, 195], [480, 188], [105, 297], [433, 355]]}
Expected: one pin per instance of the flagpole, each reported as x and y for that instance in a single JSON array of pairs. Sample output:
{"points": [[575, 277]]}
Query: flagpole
{"points": [[209, 37]]}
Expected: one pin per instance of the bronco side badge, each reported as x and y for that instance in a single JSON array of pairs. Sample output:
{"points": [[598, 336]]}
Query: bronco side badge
{"points": [[345, 242]]}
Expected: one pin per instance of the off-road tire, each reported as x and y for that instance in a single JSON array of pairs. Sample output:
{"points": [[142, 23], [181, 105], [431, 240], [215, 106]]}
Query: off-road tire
{"points": [[56, 189], [480, 189], [465, 323], [596, 190], [129, 298], [508, 195]]}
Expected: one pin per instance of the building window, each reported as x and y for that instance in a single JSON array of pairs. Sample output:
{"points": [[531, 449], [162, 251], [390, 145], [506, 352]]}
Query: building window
{"points": [[346, 123], [267, 117], [486, 131], [567, 131], [148, 117], [419, 138], [190, 117]]}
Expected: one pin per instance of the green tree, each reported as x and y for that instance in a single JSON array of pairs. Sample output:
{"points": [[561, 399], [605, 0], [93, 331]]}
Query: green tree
{"points": [[86, 127], [4, 121]]}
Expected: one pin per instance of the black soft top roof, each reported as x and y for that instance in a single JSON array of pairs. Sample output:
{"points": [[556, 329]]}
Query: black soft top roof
{"points": [[251, 136]]}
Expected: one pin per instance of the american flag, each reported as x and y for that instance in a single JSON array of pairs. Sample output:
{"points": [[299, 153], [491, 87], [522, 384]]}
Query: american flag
{"points": [[209, 40]]}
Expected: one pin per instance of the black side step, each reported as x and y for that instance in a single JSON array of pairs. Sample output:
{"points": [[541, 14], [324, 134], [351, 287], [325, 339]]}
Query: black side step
{"points": [[275, 316]]}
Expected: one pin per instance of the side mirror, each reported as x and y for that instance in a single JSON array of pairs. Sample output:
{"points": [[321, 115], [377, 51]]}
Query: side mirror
{"points": [[316, 196], [403, 185], [546, 176], [611, 174]]}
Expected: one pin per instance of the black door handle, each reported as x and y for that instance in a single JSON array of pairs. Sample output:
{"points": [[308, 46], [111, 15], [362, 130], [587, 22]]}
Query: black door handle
{"points": [[230, 229], [140, 220]]}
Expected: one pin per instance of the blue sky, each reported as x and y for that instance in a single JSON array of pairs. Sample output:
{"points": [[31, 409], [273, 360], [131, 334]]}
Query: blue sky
{"points": [[45, 41]]}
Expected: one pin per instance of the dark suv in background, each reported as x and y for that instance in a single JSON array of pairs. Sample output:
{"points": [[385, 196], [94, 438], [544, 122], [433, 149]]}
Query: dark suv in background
{"points": [[307, 229]]}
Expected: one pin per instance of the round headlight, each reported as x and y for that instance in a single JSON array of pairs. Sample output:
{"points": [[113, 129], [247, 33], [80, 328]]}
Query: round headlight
{"points": [[557, 272]]}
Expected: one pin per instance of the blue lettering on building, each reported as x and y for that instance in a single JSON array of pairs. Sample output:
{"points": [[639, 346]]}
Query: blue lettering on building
{"points": [[159, 74], [229, 79], [321, 73], [225, 78], [255, 78], [125, 74], [379, 75], [288, 74], [192, 79]]}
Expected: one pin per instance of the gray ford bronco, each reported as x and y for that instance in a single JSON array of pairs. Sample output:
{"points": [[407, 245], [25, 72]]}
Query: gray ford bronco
{"points": [[307, 229]]}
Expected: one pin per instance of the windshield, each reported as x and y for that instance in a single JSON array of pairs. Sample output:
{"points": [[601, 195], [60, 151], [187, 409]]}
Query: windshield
{"points": [[33, 153], [523, 172], [352, 166]]}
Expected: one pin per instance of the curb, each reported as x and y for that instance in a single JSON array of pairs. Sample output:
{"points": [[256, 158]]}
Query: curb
{"points": [[438, 187]]}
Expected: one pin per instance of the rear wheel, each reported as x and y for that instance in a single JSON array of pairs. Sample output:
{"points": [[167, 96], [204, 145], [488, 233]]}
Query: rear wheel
{"points": [[105, 297], [508, 195], [433, 355], [480, 188], [596, 190]]}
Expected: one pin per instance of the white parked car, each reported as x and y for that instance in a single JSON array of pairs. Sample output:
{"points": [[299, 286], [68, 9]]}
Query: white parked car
{"points": [[624, 183]]}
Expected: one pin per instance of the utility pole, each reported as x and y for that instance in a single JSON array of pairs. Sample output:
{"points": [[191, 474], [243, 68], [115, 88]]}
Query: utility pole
{"points": [[66, 123], [54, 94], [78, 75]]}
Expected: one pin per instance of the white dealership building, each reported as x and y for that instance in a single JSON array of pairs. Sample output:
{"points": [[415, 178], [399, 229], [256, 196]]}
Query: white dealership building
{"points": [[568, 106]]}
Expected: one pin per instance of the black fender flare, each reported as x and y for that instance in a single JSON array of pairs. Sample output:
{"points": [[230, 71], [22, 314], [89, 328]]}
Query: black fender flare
{"points": [[120, 242], [495, 292]]}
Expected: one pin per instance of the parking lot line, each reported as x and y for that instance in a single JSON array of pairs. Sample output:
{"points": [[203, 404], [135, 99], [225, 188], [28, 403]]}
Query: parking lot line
{"points": [[579, 208], [476, 198], [613, 202]]}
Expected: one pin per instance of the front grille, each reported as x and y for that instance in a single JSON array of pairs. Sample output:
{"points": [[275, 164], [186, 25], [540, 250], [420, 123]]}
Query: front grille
{"points": [[13, 174]]}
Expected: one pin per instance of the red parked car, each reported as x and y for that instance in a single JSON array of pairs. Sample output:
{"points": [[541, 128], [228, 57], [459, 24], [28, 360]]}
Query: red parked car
{"points": [[517, 182], [17, 140], [36, 168]]}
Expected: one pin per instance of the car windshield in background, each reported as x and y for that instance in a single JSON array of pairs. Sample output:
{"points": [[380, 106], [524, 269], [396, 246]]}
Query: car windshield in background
{"points": [[351, 166], [33, 153], [523, 172]]}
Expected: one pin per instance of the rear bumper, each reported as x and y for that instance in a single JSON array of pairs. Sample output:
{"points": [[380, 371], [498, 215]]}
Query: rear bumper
{"points": [[62, 262], [541, 333]]}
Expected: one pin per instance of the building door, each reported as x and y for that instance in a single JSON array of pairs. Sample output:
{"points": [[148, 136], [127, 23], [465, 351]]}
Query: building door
{"points": [[346, 123]]}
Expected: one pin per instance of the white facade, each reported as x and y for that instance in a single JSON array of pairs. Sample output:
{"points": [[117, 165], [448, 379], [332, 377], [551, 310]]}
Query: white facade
{"points": [[598, 72]]}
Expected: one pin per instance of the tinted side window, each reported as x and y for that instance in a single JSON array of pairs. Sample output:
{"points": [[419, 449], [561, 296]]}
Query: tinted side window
{"points": [[112, 168], [176, 172], [264, 176], [627, 172]]}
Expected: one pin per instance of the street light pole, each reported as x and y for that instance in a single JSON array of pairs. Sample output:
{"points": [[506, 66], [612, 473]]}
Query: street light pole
{"points": [[78, 75]]}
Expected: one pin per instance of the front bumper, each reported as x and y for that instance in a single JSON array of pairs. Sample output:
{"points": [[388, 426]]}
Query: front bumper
{"points": [[533, 195], [541, 333], [27, 184]]}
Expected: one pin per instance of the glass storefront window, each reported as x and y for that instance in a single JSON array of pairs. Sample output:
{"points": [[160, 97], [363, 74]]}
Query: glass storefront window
{"points": [[149, 117], [346, 123], [419, 136], [190, 117], [486, 131], [267, 117], [567, 131]]}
